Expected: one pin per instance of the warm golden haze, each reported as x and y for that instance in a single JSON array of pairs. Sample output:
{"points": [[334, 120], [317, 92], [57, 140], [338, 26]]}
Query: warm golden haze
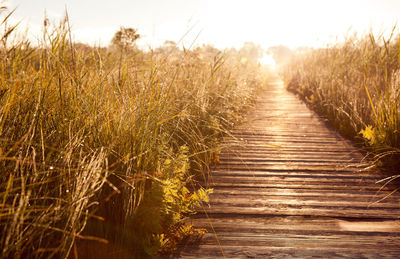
{"points": [[222, 23], [112, 113], [99, 147]]}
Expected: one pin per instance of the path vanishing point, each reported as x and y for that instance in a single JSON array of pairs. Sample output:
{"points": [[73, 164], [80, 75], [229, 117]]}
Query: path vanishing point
{"points": [[287, 186]]}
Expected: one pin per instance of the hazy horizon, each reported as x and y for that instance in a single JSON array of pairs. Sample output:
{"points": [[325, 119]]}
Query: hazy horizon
{"points": [[222, 23]]}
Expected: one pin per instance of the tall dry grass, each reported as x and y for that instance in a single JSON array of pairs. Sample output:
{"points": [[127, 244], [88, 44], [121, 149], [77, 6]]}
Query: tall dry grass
{"points": [[101, 144], [356, 85]]}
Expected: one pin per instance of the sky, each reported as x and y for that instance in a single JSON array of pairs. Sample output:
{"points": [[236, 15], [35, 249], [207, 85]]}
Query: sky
{"points": [[221, 23]]}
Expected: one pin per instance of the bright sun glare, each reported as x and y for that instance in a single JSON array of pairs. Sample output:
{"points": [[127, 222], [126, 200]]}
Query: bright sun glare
{"points": [[267, 60], [311, 23], [222, 23]]}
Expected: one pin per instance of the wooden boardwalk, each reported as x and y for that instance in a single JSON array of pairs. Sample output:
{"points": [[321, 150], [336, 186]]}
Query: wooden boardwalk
{"points": [[290, 187]]}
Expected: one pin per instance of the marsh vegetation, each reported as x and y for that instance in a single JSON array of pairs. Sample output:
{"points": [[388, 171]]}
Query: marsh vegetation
{"points": [[102, 144], [356, 85]]}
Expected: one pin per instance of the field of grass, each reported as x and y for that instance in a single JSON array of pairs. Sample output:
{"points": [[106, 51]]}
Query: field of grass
{"points": [[102, 144], [356, 85]]}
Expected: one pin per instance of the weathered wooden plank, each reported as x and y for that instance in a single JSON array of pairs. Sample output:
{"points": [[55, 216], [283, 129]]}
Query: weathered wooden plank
{"points": [[304, 240], [304, 175], [322, 193], [285, 210], [207, 251], [301, 199], [283, 185], [284, 158], [301, 224], [301, 202], [288, 154], [312, 180], [289, 166], [268, 146]]}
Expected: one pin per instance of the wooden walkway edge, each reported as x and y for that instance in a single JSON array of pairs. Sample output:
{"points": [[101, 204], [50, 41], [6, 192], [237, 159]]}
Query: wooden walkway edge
{"points": [[290, 187]]}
